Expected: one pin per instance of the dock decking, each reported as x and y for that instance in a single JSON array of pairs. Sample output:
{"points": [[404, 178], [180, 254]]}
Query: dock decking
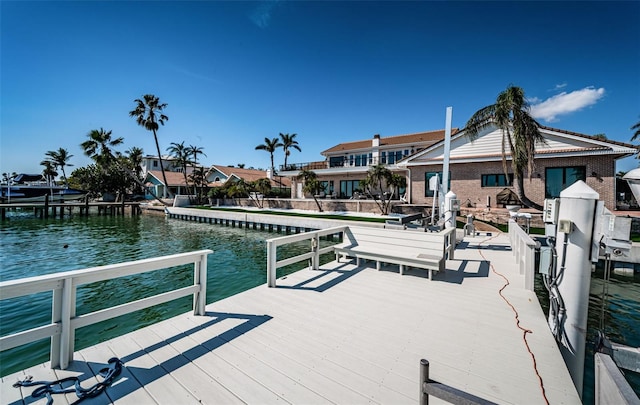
{"points": [[345, 335]]}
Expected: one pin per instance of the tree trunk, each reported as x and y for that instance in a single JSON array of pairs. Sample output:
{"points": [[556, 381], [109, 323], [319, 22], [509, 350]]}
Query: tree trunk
{"points": [[317, 203], [518, 185], [164, 176], [137, 180]]}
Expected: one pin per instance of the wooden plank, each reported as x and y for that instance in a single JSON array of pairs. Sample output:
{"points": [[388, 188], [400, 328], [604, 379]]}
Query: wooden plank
{"points": [[160, 385], [126, 389], [243, 386], [202, 386]]}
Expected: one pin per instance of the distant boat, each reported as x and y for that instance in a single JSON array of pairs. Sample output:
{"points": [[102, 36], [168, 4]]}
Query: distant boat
{"points": [[33, 188], [633, 179]]}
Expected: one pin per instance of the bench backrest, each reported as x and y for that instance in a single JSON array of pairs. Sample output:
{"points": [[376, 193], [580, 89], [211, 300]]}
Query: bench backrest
{"points": [[388, 239]]}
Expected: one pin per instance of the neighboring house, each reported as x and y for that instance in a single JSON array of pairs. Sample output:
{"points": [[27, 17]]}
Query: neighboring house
{"points": [[476, 171], [154, 181], [152, 174], [219, 175], [152, 163], [347, 163]]}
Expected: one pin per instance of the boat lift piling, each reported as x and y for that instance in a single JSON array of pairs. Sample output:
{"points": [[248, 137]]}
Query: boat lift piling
{"points": [[573, 245]]}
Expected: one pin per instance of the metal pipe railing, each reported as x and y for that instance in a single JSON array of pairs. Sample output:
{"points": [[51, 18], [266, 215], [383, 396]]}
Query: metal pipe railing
{"points": [[445, 392]]}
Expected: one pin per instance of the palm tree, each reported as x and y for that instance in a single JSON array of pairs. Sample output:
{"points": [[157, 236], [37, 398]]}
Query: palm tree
{"points": [[60, 158], [520, 133], [311, 185], [134, 159], [378, 179], [148, 114], [270, 145], [636, 134], [262, 188], [288, 141], [195, 151], [181, 155], [49, 172], [98, 146]]}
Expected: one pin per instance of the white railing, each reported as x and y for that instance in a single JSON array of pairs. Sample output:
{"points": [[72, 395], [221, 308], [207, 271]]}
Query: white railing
{"points": [[64, 320], [611, 387], [314, 254], [524, 250]]}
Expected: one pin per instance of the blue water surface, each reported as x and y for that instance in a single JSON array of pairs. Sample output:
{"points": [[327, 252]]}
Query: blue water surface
{"points": [[32, 247]]}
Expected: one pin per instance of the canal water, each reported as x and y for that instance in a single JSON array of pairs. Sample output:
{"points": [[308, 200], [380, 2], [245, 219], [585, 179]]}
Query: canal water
{"points": [[31, 247]]}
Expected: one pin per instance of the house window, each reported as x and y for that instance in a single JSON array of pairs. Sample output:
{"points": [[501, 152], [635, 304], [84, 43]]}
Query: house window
{"points": [[496, 180], [370, 162], [351, 158], [216, 179], [392, 158], [361, 160], [427, 177], [559, 178], [155, 163], [347, 187], [327, 187], [383, 157], [336, 161], [399, 155]]}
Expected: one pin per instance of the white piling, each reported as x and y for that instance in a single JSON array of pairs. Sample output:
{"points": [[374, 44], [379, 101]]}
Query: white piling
{"points": [[573, 244], [449, 214]]}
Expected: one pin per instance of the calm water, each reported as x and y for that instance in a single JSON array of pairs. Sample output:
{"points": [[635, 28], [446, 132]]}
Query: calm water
{"points": [[621, 320], [30, 247]]}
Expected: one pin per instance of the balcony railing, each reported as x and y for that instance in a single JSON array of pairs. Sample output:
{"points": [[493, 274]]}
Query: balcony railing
{"points": [[356, 161], [296, 167]]}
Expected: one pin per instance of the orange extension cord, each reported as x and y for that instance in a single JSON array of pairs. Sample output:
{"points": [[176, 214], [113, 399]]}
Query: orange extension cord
{"points": [[524, 331]]}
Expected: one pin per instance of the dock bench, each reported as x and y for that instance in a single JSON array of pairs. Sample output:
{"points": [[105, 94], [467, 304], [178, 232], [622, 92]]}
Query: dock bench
{"points": [[423, 250], [401, 222]]}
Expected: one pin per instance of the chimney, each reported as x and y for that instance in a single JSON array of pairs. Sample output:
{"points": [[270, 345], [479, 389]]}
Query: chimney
{"points": [[376, 141], [269, 174]]}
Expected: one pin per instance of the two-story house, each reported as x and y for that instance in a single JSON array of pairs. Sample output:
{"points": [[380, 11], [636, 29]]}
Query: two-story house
{"points": [[346, 164], [476, 172]]}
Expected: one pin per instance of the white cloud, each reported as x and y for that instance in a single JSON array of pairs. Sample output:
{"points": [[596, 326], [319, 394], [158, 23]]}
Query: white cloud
{"points": [[261, 15], [566, 103], [560, 86]]}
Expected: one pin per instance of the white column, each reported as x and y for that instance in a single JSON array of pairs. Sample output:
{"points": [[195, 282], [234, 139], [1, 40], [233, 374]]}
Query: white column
{"points": [[573, 272], [449, 215]]}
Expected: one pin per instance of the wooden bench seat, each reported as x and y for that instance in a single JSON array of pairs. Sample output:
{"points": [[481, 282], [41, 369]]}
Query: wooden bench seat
{"points": [[427, 250]]}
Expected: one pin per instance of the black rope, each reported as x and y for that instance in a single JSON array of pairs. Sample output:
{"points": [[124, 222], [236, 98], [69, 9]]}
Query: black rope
{"points": [[48, 387]]}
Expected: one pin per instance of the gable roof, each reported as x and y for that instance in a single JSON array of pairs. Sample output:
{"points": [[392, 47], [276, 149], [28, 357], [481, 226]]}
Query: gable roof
{"points": [[175, 179], [249, 175], [488, 146], [423, 139]]}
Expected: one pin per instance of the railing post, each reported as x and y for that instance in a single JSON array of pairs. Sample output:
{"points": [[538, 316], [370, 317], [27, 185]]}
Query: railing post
{"points": [[424, 378], [66, 333], [56, 317], [271, 263], [200, 278], [529, 271], [315, 247]]}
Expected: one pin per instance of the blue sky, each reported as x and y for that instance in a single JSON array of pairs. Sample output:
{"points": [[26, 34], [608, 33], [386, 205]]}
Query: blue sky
{"points": [[234, 73]]}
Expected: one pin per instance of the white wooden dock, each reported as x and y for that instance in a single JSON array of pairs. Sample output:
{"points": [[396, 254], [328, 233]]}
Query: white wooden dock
{"points": [[341, 335]]}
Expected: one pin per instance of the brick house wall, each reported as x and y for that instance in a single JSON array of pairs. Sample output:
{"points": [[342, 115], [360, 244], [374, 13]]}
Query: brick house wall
{"points": [[466, 180]]}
